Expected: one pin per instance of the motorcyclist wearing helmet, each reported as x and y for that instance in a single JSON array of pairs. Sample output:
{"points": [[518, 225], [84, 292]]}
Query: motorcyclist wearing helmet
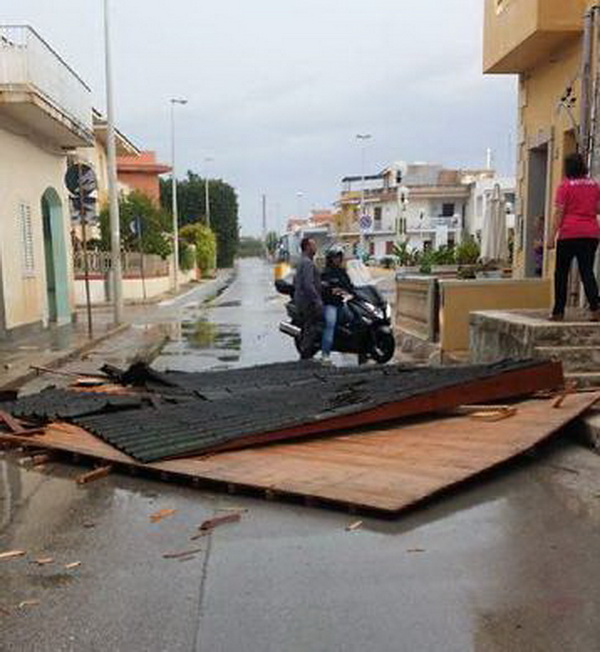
{"points": [[336, 285]]}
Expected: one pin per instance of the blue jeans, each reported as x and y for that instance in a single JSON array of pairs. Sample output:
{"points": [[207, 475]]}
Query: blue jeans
{"points": [[330, 314]]}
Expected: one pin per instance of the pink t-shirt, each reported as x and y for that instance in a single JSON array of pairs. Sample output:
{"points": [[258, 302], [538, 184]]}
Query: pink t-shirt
{"points": [[580, 199]]}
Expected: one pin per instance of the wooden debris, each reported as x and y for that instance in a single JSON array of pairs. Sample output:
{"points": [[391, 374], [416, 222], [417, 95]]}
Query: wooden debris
{"points": [[180, 555], [354, 526], [492, 416], [28, 603], [415, 550], [96, 474], [12, 554], [162, 514], [212, 523], [43, 561], [72, 565], [41, 460], [89, 525], [570, 388]]}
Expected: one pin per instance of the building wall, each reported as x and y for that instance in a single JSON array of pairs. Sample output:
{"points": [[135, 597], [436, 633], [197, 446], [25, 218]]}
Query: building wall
{"points": [[26, 172], [541, 126]]}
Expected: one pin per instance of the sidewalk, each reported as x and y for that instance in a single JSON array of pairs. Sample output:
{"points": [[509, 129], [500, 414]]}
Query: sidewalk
{"points": [[56, 346]]}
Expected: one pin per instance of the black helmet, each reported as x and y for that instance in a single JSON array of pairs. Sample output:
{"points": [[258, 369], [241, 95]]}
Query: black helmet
{"points": [[334, 251]]}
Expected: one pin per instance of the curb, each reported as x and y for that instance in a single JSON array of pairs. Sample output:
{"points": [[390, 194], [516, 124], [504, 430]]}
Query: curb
{"points": [[57, 362]]}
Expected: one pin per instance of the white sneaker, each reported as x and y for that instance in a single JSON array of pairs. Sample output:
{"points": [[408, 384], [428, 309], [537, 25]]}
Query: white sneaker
{"points": [[326, 360]]}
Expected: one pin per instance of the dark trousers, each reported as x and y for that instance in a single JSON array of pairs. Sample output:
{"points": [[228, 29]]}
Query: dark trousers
{"points": [[584, 249], [310, 317]]}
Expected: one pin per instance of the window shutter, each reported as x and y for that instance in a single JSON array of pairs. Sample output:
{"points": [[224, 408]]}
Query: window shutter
{"points": [[27, 245]]}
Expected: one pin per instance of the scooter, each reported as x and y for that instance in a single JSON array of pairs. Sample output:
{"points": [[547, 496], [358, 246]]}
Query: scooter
{"points": [[364, 324]]}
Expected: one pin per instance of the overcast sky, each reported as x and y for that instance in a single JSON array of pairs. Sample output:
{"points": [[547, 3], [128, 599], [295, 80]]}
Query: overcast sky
{"points": [[278, 89]]}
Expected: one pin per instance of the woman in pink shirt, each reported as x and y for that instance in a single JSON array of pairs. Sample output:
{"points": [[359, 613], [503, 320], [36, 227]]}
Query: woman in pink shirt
{"points": [[575, 233]]}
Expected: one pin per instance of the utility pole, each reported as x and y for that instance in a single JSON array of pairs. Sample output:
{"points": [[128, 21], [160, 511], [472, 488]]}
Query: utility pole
{"points": [[264, 218], [113, 191], [174, 197]]}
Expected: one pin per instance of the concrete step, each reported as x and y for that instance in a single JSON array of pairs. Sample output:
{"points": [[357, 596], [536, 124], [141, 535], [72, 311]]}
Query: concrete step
{"points": [[584, 380], [565, 334], [575, 359]]}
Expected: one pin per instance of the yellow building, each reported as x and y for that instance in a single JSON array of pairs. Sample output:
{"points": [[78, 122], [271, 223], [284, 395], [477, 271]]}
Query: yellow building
{"points": [[551, 46]]}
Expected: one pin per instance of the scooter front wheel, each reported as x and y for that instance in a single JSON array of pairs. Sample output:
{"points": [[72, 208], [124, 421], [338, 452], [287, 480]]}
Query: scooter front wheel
{"points": [[384, 346]]}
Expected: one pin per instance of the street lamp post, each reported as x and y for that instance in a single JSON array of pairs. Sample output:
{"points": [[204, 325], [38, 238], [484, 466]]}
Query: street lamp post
{"points": [[113, 191], [175, 101], [363, 138]]}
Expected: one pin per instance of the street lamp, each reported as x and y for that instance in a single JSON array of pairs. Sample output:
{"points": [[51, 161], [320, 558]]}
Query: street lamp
{"points": [[175, 101], [113, 190], [363, 139]]}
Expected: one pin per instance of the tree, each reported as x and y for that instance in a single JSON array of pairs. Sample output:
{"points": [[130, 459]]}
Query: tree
{"points": [[192, 209], [143, 226], [271, 242], [205, 242]]}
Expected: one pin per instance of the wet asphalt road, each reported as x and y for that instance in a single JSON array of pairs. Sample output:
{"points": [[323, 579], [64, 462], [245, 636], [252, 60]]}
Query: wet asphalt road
{"points": [[510, 564]]}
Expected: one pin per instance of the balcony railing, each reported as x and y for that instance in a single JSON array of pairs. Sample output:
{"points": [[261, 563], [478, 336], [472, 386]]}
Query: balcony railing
{"points": [[27, 62], [432, 223]]}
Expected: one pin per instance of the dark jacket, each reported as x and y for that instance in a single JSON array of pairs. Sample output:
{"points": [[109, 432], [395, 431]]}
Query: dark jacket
{"points": [[335, 278], [307, 285]]}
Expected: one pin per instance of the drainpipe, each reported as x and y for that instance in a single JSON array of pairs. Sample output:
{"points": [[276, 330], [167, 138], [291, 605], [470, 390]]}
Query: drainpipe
{"points": [[2, 305], [590, 92]]}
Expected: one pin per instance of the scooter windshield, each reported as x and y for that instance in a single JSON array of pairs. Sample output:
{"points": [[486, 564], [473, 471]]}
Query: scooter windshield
{"points": [[359, 273]]}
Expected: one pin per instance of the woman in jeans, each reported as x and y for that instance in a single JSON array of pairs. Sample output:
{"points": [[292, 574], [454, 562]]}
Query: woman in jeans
{"points": [[575, 233]]}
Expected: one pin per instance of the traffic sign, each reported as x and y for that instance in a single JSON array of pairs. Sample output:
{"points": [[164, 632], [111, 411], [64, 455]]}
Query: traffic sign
{"points": [[365, 222], [83, 207], [80, 179]]}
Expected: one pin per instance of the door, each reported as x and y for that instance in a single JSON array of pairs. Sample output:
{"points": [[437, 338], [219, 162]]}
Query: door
{"points": [[55, 255], [538, 212]]}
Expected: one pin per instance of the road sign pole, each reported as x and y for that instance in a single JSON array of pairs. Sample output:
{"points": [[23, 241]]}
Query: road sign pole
{"points": [[86, 262]]}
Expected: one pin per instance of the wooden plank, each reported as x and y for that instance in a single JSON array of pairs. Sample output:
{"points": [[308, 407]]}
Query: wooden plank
{"points": [[385, 470]]}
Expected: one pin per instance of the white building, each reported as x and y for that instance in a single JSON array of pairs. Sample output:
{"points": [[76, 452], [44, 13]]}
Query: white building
{"points": [[423, 203], [45, 113]]}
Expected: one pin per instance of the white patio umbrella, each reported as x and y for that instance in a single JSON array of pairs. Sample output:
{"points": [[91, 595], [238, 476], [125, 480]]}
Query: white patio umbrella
{"points": [[494, 243]]}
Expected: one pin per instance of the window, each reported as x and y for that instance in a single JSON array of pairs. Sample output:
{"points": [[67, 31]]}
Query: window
{"points": [[377, 216], [448, 210], [26, 234]]}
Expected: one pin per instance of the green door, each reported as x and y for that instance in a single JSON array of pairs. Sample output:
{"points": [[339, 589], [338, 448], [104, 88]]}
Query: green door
{"points": [[55, 254]]}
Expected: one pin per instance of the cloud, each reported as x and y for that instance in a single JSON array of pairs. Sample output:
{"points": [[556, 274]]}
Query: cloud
{"points": [[278, 90]]}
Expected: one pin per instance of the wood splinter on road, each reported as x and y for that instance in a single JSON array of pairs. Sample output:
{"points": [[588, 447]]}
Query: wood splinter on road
{"points": [[43, 561], [161, 514], [28, 603], [75, 564], [212, 523], [179, 555], [96, 474], [12, 554], [354, 526]]}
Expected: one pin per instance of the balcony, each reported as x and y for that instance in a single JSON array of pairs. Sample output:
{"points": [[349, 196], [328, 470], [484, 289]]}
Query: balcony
{"points": [[432, 224], [39, 93], [519, 34]]}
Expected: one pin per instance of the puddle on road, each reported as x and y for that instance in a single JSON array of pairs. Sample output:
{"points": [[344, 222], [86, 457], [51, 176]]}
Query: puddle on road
{"points": [[203, 337]]}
